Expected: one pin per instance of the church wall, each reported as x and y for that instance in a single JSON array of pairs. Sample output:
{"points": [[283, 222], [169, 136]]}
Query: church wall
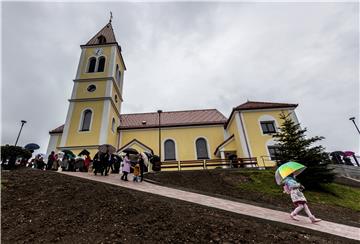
{"points": [[184, 138], [150, 137], [82, 92], [78, 138], [117, 101], [53, 143], [257, 140], [233, 129], [113, 135]]}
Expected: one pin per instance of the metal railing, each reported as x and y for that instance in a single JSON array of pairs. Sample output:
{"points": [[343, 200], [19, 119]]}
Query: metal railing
{"points": [[210, 163], [267, 159]]}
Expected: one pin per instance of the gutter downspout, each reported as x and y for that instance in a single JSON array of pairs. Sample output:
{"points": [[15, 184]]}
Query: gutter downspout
{"points": [[246, 140]]}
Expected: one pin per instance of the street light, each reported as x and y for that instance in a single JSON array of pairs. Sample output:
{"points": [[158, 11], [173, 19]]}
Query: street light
{"points": [[353, 120], [22, 124], [159, 113]]}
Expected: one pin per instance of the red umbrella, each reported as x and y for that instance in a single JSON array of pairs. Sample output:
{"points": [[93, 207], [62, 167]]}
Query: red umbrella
{"points": [[348, 153]]}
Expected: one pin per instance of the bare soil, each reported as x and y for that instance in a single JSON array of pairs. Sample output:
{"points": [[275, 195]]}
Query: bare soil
{"points": [[223, 183], [45, 207]]}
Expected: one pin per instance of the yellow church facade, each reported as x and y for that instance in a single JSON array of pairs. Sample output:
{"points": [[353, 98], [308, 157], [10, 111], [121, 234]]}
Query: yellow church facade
{"points": [[94, 117]]}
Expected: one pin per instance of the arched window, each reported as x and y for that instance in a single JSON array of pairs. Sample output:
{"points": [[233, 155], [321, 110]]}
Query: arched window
{"points": [[92, 64], [113, 125], [201, 149], [101, 64], [169, 146], [85, 126], [101, 40]]}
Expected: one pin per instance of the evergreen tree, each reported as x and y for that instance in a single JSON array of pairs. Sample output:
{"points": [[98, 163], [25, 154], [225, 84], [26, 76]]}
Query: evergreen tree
{"points": [[294, 146]]}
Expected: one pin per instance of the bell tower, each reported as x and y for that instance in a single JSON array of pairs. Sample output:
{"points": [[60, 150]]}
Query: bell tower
{"points": [[95, 104]]}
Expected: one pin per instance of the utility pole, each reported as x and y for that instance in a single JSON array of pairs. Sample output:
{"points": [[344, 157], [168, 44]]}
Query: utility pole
{"points": [[353, 120], [159, 113], [22, 124]]}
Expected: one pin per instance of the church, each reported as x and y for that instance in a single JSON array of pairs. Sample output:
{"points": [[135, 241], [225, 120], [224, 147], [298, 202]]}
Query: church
{"points": [[94, 117]]}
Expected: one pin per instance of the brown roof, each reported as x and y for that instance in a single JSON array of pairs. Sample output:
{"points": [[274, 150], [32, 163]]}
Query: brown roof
{"points": [[168, 119], [107, 32], [252, 105], [175, 118], [57, 130], [249, 105]]}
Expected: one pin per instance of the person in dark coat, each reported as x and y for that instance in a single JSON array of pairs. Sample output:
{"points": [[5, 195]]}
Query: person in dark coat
{"points": [[109, 161], [40, 163], [50, 161], [142, 167], [96, 163], [117, 162]]}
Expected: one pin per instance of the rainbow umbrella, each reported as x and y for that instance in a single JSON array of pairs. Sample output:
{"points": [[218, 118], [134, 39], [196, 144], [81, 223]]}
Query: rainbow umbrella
{"points": [[287, 169]]}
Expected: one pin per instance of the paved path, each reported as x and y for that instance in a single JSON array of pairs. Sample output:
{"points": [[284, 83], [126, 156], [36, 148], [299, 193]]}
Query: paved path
{"points": [[232, 206]]}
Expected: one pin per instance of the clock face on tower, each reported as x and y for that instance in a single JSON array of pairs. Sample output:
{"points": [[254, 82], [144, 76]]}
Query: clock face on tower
{"points": [[98, 51]]}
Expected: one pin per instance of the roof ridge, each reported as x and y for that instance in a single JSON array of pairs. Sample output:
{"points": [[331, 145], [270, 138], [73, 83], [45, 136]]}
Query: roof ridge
{"points": [[176, 111], [266, 102]]}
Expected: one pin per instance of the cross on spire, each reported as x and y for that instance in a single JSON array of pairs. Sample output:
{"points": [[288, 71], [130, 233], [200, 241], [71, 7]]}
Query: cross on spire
{"points": [[111, 16]]}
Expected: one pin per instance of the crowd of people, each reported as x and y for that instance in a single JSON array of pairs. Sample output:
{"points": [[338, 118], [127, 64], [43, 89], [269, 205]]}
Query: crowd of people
{"points": [[102, 163]]}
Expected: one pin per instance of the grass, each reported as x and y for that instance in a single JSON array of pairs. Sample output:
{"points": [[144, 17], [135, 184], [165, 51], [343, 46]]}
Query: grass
{"points": [[332, 194]]}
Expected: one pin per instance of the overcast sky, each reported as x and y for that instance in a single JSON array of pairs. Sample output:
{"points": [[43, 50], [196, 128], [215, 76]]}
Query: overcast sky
{"points": [[187, 56]]}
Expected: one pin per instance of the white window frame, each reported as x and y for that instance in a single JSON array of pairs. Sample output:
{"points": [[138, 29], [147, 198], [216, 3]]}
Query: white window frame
{"points": [[270, 143], [97, 64], [207, 145], [88, 64], [163, 149], [82, 118], [264, 118]]}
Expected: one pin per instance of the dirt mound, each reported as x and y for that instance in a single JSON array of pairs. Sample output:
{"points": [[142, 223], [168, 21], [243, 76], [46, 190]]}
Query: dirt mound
{"points": [[42, 207]]}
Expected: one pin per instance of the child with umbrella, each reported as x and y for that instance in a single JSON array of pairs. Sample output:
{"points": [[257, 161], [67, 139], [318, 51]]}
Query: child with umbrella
{"points": [[286, 174]]}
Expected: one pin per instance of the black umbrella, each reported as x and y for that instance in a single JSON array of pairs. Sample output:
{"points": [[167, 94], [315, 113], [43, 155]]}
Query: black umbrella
{"points": [[84, 152], [130, 151], [337, 153], [32, 146], [107, 148]]}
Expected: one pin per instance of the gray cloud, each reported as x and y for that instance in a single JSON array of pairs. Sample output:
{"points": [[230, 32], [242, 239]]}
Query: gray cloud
{"points": [[188, 56]]}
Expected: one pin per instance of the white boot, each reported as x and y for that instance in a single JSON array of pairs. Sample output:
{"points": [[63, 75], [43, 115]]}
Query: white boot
{"points": [[314, 220]]}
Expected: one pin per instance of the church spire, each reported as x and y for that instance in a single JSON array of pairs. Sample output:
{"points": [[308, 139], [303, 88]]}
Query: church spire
{"points": [[110, 17], [104, 36]]}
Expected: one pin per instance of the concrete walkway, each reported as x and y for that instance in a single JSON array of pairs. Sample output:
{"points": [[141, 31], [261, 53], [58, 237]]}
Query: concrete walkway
{"points": [[227, 205]]}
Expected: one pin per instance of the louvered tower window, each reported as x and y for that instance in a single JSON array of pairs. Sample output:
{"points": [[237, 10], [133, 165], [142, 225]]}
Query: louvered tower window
{"points": [[92, 64], [101, 64]]}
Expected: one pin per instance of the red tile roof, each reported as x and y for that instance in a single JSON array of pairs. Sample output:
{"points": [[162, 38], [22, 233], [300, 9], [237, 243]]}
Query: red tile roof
{"points": [[249, 105], [107, 32], [57, 130], [175, 118], [168, 119]]}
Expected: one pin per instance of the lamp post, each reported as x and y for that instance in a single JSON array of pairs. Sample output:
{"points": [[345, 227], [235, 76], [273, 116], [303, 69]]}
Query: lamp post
{"points": [[159, 113], [22, 124], [353, 120]]}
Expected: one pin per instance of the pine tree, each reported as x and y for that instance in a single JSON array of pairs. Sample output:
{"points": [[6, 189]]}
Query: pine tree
{"points": [[294, 146]]}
